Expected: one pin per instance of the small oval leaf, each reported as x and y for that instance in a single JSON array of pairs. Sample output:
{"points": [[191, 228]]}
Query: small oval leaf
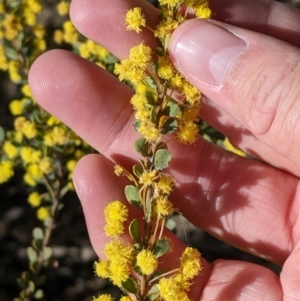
{"points": [[132, 195], [2, 134], [161, 247], [134, 230], [142, 147], [162, 159], [47, 253], [38, 233], [130, 286], [32, 254]]}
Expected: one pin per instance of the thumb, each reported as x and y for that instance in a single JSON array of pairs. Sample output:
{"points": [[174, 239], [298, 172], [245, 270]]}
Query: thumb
{"points": [[250, 76]]}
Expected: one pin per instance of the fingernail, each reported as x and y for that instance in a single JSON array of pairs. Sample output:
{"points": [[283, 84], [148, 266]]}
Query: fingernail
{"points": [[205, 51]]}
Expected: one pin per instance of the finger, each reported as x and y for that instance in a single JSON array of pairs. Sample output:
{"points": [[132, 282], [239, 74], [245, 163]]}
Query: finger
{"points": [[266, 16], [290, 276], [243, 202], [223, 280], [111, 33], [245, 75]]}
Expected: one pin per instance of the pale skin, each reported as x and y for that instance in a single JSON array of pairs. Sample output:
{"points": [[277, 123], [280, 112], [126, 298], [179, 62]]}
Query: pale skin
{"points": [[250, 204]]}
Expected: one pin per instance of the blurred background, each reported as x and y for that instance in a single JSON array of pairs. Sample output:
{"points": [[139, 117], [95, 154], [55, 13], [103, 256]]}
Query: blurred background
{"points": [[73, 278]]}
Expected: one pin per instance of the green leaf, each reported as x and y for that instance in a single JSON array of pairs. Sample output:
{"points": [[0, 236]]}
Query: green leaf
{"points": [[170, 126], [22, 283], [172, 109], [151, 83], [161, 247], [47, 253], [134, 230], [10, 52], [132, 195], [171, 224], [130, 286], [137, 170], [162, 159], [39, 294], [137, 125], [153, 292], [32, 254], [141, 145], [37, 244], [38, 233], [26, 275], [31, 286], [33, 266], [150, 98], [2, 134]]}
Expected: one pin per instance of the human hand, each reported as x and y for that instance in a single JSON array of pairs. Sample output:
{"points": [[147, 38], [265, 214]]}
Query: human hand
{"points": [[249, 204]]}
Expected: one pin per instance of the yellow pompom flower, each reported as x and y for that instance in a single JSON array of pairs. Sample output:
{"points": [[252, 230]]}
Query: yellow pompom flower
{"points": [[115, 249], [171, 3], [63, 8], [165, 184], [71, 165], [116, 211], [26, 90], [120, 271], [29, 130], [147, 262], [6, 171], [190, 263], [10, 150], [14, 71], [29, 180], [42, 213], [170, 290], [58, 36], [164, 207], [135, 19], [104, 297], [187, 133], [149, 131], [46, 165], [140, 55], [101, 268], [34, 199], [147, 177], [3, 59], [138, 101]]}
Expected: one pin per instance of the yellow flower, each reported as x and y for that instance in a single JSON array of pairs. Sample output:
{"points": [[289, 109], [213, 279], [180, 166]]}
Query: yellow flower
{"points": [[3, 59], [164, 207], [135, 19], [26, 90], [34, 170], [13, 70], [125, 298], [29, 180], [30, 155], [120, 271], [58, 36], [138, 101], [34, 199], [147, 177], [118, 170], [165, 184], [6, 171], [63, 8], [140, 55], [115, 249], [149, 131], [42, 213], [147, 262], [171, 290], [101, 268], [10, 150], [171, 3], [190, 263], [203, 11], [187, 133], [29, 129], [191, 93], [45, 165], [71, 165], [39, 31], [104, 297]]}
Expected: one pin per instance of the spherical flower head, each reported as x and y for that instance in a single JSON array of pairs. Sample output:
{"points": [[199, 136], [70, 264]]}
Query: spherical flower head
{"points": [[115, 211], [147, 177], [34, 199], [170, 3], [42, 213], [171, 290], [135, 19], [125, 298], [120, 271], [190, 263], [140, 55], [187, 133], [138, 101], [104, 297], [164, 207], [203, 11], [147, 262], [118, 170], [63, 8], [10, 150], [148, 130], [165, 184], [6, 171], [191, 93], [115, 250], [101, 268], [16, 107]]}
